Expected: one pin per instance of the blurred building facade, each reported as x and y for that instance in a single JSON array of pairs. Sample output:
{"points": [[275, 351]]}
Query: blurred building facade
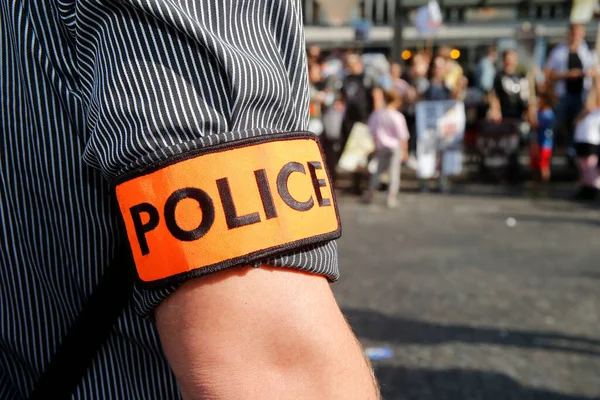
{"points": [[469, 25]]}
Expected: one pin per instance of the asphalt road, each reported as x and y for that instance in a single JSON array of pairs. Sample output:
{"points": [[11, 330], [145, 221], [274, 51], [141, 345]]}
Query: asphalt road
{"points": [[470, 307]]}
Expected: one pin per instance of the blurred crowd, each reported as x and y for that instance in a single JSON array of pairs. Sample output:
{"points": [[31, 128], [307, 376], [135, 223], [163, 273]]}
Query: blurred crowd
{"points": [[555, 106]]}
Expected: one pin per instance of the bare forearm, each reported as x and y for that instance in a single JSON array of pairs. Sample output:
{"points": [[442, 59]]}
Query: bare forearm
{"points": [[558, 75], [262, 333], [494, 103], [457, 92], [495, 111]]}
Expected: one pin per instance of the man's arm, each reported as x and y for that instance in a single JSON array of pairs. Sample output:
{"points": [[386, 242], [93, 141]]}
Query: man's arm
{"points": [[238, 333], [267, 333], [458, 91], [495, 111], [404, 145], [558, 75]]}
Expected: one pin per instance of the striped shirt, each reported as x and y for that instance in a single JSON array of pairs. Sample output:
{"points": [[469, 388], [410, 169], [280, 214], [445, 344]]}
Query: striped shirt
{"points": [[91, 89]]}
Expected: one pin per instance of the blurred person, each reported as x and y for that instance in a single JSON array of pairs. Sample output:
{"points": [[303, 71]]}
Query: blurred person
{"points": [[485, 73], [419, 72], [95, 144], [400, 85], [320, 98], [444, 52], [379, 102], [407, 93], [356, 93], [508, 102], [508, 99], [390, 133], [357, 97], [332, 113], [587, 145], [416, 77], [453, 72], [325, 114], [313, 54], [333, 67], [570, 67], [542, 122], [437, 87]]}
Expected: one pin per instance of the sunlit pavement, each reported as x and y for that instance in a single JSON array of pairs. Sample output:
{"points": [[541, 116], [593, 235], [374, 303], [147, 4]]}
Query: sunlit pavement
{"points": [[474, 306]]}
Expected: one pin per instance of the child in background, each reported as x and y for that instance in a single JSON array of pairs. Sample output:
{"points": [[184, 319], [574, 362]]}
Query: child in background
{"points": [[540, 147], [390, 133]]}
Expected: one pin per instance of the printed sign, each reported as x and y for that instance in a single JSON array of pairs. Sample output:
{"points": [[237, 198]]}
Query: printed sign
{"points": [[440, 131], [227, 205], [497, 142], [358, 147]]}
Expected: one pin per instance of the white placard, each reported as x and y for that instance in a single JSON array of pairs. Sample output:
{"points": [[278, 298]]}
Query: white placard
{"points": [[440, 129], [582, 11], [358, 147]]}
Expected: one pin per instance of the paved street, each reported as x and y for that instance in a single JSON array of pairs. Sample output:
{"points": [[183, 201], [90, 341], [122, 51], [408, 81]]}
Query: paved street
{"points": [[473, 308]]}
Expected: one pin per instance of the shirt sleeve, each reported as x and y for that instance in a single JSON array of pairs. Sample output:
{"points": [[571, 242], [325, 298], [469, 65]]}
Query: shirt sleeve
{"points": [[588, 59], [161, 78], [553, 63]]}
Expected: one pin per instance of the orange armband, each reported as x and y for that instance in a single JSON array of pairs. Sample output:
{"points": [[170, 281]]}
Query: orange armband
{"points": [[226, 205]]}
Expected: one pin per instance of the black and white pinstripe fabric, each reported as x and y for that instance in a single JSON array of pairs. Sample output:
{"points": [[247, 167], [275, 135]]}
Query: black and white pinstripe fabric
{"points": [[91, 89]]}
